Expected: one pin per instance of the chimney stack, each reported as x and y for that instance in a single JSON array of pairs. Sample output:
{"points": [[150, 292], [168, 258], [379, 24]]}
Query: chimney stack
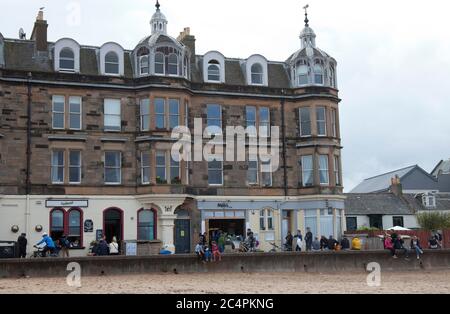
{"points": [[39, 34], [396, 186], [188, 40]]}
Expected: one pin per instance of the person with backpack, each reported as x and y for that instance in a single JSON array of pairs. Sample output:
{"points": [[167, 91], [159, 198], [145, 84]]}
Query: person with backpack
{"points": [[65, 246]]}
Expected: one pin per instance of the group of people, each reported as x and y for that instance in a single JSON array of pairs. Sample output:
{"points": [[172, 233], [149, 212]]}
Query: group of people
{"points": [[103, 248], [314, 244], [211, 251], [394, 243]]}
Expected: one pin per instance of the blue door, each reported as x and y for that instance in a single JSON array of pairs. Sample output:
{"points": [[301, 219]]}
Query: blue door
{"points": [[182, 236]]}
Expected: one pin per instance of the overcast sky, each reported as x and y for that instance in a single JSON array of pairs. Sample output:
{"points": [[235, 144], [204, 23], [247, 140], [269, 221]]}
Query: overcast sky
{"points": [[393, 59]]}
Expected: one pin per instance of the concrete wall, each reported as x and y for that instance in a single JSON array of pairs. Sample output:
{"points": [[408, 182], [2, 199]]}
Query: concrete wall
{"points": [[264, 262]]}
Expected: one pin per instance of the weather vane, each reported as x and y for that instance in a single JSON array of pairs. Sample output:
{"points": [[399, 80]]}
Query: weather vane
{"points": [[306, 14]]}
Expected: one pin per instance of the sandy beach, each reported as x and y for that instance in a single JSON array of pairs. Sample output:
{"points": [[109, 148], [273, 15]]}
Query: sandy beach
{"points": [[237, 283]]}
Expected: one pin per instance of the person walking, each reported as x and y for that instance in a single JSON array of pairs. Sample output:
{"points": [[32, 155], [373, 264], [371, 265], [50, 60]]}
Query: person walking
{"points": [[289, 239], [299, 242], [415, 246], [308, 239], [22, 244], [65, 245], [114, 247]]}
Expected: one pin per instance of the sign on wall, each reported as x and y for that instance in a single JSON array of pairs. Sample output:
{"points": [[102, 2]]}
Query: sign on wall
{"points": [[131, 249], [67, 203], [88, 225]]}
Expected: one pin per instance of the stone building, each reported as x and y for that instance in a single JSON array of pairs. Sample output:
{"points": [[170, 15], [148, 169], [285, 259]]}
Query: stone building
{"points": [[85, 140]]}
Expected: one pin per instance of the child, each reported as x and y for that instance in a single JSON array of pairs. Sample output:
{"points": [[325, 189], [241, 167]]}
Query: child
{"points": [[215, 252], [207, 254], [200, 252]]}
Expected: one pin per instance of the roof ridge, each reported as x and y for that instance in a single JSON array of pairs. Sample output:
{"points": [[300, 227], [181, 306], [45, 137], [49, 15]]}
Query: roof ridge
{"points": [[380, 175]]}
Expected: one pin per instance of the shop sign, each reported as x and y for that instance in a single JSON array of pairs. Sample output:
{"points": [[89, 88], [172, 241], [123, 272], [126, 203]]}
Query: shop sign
{"points": [[88, 225], [224, 205], [66, 203]]}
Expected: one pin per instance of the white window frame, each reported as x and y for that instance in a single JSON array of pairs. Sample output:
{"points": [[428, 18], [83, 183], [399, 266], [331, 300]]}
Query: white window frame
{"points": [[172, 167], [334, 122], [58, 112], [214, 119], [323, 170], [80, 114], [163, 63], [309, 170], [116, 167], [262, 220], [171, 64], [115, 102], [301, 74], [259, 74], [172, 114], [58, 166], [67, 59], [112, 63], [79, 167], [301, 122], [213, 72], [146, 167], [144, 117], [321, 73], [263, 123], [160, 153], [318, 122], [141, 59], [158, 114], [216, 169]]}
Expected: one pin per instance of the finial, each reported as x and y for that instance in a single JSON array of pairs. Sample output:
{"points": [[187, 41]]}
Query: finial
{"points": [[157, 5], [306, 15]]}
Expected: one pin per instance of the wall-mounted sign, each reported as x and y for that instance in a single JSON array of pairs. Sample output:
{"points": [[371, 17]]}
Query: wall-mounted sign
{"points": [[88, 226], [98, 235], [131, 249], [67, 203], [223, 205]]}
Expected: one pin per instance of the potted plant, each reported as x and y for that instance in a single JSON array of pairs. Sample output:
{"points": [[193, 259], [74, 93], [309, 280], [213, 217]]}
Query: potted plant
{"points": [[159, 180]]}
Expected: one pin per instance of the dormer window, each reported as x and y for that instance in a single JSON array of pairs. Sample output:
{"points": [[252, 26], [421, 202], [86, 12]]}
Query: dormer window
{"points": [[257, 74], [429, 200], [302, 75], [159, 63], [111, 63], [143, 65], [173, 64], [318, 73], [214, 71], [67, 60]]}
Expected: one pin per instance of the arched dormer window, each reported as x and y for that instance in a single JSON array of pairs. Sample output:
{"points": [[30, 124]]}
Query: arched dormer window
{"points": [[67, 60], [257, 74], [332, 77], [318, 73], [173, 64], [214, 71], [111, 63], [159, 63], [302, 73], [143, 61]]}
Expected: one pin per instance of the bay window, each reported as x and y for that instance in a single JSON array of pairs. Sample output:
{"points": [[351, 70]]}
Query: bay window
{"points": [[145, 114], [161, 176], [175, 174], [145, 167], [307, 170], [305, 121], [321, 121], [337, 178], [323, 170], [160, 113], [174, 113]]}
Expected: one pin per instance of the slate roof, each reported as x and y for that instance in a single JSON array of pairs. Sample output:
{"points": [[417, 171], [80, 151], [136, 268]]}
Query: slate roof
{"points": [[381, 204], [443, 201], [443, 167], [20, 55], [381, 183]]}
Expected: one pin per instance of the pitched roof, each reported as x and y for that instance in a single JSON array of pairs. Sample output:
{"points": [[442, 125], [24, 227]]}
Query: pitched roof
{"points": [[381, 182], [443, 167], [381, 204]]}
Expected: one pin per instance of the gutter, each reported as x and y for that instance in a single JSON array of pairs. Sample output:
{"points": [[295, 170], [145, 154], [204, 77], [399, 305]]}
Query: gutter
{"points": [[193, 91]]}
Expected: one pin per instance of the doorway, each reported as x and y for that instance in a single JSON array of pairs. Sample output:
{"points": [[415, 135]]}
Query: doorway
{"points": [[113, 224], [182, 236], [286, 224]]}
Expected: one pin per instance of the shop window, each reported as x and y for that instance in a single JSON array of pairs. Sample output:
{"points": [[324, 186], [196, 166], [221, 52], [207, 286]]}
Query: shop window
{"points": [[67, 223]]}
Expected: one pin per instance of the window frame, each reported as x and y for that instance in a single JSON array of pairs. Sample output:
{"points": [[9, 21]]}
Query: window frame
{"points": [[155, 224], [208, 119], [337, 167], [302, 123], [112, 63], [220, 169], [319, 122], [169, 64], [80, 114], [63, 113], [163, 63], [217, 72], [334, 132], [58, 166], [119, 167], [141, 60], [157, 114], [61, 59], [158, 166], [254, 74], [301, 74], [327, 183], [318, 73], [255, 169], [144, 117], [66, 223], [401, 218], [111, 128], [305, 171], [171, 114], [263, 174], [262, 122], [146, 167], [174, 165], [79, 167]]}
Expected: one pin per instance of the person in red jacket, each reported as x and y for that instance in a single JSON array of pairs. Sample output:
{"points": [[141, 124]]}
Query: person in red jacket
{"points": [[388, 245], [215, 252]]}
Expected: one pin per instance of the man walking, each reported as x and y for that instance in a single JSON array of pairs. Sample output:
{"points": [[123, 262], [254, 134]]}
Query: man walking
{"points": [[22, 244], [308, 239]]}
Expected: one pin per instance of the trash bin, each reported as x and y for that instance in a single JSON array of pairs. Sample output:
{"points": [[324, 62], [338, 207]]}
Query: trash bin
{"points": [[7, 249]]}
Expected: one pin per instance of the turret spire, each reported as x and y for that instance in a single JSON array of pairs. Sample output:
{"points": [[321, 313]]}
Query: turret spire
{"points": [[158, 21], [157, 5], [306, 15]]}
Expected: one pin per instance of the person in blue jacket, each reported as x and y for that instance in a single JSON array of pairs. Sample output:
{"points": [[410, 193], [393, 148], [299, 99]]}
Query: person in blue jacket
{"points": [[49, 244]]}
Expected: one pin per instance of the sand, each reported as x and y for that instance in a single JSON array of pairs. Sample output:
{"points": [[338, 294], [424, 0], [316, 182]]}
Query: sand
{"points": [[237, 283]]}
